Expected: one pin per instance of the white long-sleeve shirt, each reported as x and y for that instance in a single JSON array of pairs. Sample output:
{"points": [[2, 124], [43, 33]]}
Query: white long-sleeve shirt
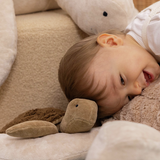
{"points": [[145, 29]]}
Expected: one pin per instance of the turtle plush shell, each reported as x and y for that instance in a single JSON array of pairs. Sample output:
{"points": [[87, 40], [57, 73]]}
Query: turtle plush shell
{"points": [[52, 115]]}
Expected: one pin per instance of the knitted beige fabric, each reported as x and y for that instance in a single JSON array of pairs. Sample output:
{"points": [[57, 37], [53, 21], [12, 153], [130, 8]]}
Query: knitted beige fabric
{"points": [[143, 109], [43, 38]]}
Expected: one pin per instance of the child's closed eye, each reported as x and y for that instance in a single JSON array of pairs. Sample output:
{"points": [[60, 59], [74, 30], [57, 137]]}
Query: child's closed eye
{"points": [[122, 80], [130, 98], [123, 83]]}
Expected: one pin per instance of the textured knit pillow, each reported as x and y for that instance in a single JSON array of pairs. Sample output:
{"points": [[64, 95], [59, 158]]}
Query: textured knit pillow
{"points": [[8, 38]]}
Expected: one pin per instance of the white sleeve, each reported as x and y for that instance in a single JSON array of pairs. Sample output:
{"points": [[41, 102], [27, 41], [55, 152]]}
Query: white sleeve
{"points": [[145, 29], [153, 34]]}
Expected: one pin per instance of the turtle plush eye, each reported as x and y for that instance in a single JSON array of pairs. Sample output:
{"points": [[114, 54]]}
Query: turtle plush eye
{"points": [[105, 14], [76, 105]]}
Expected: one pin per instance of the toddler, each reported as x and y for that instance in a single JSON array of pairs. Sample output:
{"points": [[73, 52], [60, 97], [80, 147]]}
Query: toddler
{"points": [[111, 68]]}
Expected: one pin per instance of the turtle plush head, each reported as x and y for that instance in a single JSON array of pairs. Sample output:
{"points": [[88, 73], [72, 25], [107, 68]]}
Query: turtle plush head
{"points": [[80, 116]]}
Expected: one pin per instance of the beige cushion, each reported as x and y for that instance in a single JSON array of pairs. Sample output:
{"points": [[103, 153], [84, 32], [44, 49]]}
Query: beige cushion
{"points": [[122, 140], [30, 6], [60, 146], [43, 38]]}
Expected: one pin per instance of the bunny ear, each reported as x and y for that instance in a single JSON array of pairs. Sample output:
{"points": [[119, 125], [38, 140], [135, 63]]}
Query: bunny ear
{"points": [[8, 38], [83, 13], [76, 10], [94, 16]]}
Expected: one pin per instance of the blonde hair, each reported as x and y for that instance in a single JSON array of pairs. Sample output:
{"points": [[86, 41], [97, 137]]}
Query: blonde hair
{"points": [[74, 65]]}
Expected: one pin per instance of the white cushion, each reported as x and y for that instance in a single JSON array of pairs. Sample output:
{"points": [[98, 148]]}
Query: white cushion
{"points": [[8, 38], [123, 140], [60, 146]]}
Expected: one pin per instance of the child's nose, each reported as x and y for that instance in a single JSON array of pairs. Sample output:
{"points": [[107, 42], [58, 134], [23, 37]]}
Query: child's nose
{"points": [[136, 88]]}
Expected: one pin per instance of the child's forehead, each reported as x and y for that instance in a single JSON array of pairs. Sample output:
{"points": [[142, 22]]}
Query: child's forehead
{"points": [[100, 62]]}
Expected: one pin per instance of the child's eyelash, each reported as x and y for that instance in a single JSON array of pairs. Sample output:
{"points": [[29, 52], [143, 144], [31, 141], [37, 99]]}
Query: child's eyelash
{"points": [[129, 98], [122, 80]]}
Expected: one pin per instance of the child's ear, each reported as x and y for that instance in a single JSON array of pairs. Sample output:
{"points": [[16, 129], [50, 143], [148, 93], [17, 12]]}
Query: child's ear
{"points": [[109, 40]]}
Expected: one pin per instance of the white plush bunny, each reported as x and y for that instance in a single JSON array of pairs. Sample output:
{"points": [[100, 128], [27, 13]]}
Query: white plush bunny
{"points": [[94, 16]]}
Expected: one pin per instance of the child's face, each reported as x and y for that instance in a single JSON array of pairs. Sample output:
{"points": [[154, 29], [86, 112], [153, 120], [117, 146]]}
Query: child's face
{"points": [[121, 72]]}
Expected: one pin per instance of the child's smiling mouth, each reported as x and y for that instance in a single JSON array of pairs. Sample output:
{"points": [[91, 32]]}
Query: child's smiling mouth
{"points": [[148, 77]]}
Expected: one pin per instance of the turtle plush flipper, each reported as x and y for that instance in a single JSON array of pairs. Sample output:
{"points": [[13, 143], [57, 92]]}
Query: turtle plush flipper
{"points": [[32, 129]]}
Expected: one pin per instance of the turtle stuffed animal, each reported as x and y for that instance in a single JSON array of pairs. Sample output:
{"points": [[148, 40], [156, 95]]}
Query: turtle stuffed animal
{"points": [[80, 116]]}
